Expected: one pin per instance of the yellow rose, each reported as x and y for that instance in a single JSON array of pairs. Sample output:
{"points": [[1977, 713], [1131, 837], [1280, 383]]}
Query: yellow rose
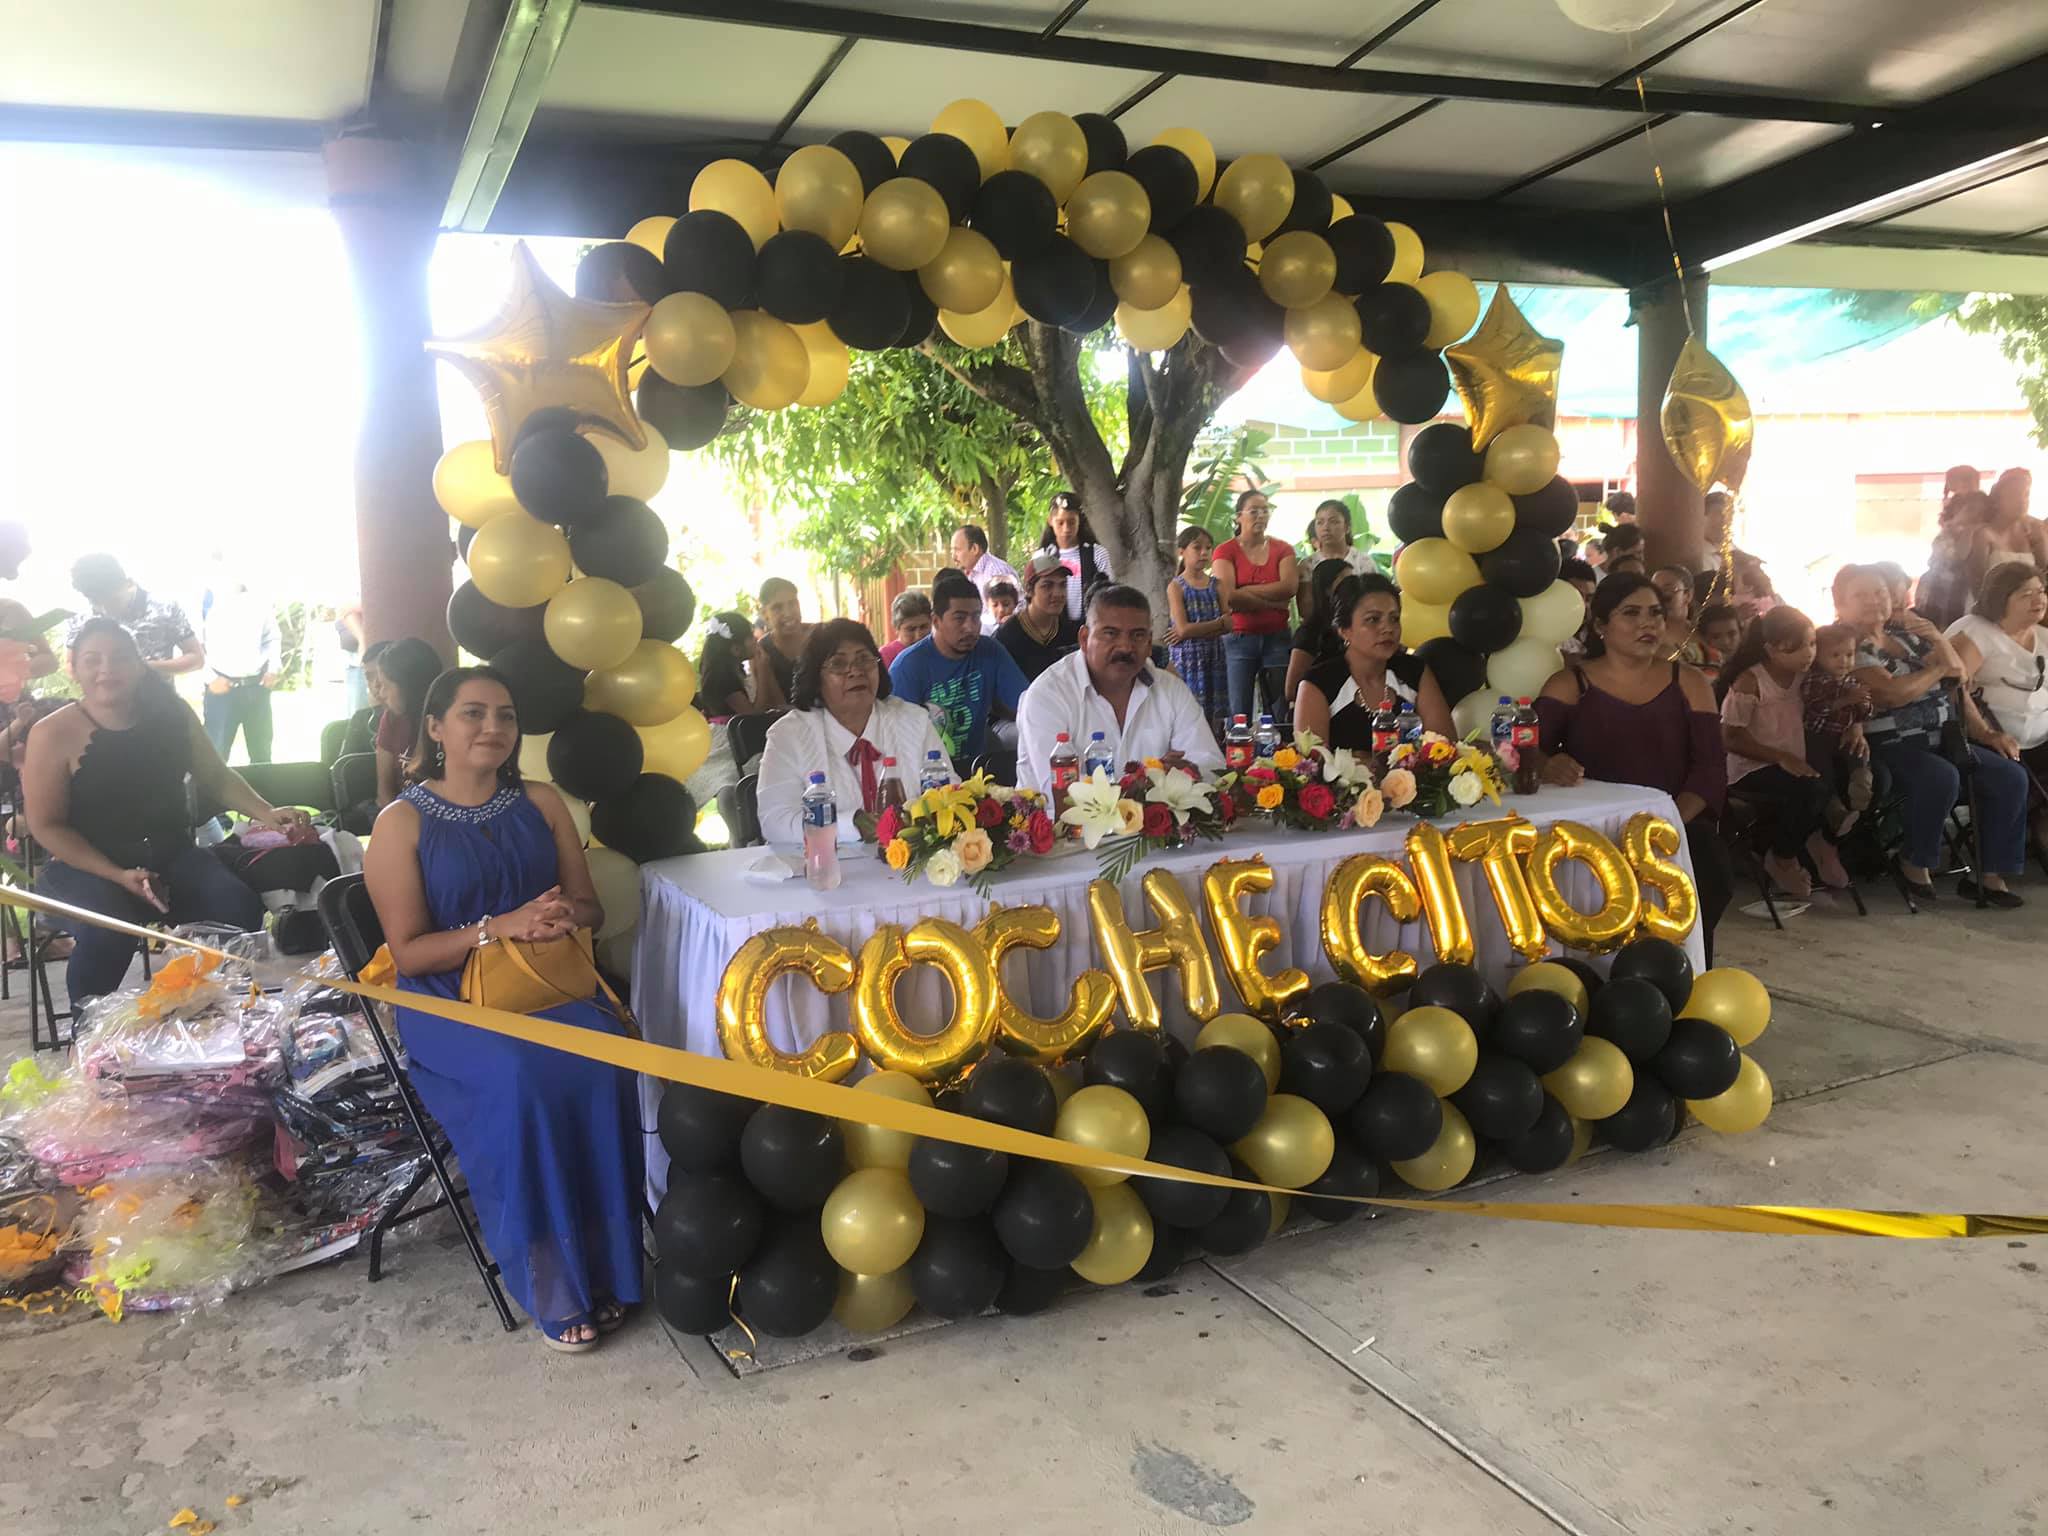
{"points": [[1270, 797], [973, 850], [1286, 758], [897, 854], [1130, 817]]}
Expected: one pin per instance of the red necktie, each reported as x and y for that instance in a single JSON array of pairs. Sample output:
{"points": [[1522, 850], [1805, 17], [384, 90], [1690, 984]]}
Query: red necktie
{"points": [[863, 755]]}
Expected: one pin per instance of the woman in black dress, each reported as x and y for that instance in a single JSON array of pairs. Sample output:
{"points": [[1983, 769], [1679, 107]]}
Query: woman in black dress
{"points": [[1337, 699]]}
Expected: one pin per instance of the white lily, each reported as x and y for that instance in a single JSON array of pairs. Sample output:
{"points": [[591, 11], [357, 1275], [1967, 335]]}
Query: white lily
{"points": [[1092, 807], [1179, 793], [1345, 767], [1307, 743]]}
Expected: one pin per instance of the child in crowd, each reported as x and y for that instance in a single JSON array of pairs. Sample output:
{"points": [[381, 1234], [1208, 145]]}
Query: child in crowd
{"points": [[1195, 635], [1584, 579], [1750, 589], [910, 619], [1002, 602], [1720, 634], [1763, 723], [1836, 707]]}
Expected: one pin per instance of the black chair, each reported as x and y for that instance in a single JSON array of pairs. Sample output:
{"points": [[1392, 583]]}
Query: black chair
{"points": [[356, 935], [747, 735], [354, 781], [333, 738], [739, 806]]}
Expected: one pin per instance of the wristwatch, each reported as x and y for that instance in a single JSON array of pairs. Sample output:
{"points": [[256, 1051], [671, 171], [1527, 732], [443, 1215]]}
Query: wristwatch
{"points": [[483, 933]]}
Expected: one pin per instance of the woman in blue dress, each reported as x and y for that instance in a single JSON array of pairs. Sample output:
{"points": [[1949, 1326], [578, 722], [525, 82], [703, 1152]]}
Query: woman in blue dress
{"points": [[468, 856]]}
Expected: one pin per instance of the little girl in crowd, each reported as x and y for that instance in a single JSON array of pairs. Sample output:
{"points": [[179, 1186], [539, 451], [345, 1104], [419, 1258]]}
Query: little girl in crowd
{"points": [[1836, 707], [1195, 638]]}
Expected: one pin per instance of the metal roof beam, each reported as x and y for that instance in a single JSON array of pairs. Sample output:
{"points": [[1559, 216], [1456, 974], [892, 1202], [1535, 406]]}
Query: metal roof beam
{"points": [[499, 99], [156, 130]]}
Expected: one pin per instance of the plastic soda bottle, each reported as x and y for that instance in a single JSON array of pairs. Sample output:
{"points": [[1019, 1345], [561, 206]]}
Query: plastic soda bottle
{"points": [[1266, 740], [1237, 745], [1065, 764], [821, 836]]}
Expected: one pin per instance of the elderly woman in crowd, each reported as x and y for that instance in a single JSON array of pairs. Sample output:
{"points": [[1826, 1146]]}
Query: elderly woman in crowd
{"points": [[1336, 698], [2004, 650], [1913, 673]]}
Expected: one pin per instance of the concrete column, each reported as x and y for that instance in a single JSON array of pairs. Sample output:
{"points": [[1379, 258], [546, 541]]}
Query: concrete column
{"points": [[387, 213], [1669, 508]]}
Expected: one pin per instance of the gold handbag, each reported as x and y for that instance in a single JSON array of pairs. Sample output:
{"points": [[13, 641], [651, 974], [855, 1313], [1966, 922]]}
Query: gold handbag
{"points": [[519, 976]]}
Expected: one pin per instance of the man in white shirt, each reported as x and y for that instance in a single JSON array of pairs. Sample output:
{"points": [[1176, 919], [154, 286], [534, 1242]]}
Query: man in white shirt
{"points": [[1109, 685], [971, 555], [243, 651]]}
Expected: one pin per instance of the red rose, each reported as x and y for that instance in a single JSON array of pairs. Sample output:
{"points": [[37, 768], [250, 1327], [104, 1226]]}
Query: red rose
{"points": [[989, 813], [1041, 829], [1158, 820], [1317, 801], [1226, 809], [1262, 774], [888, 824]]}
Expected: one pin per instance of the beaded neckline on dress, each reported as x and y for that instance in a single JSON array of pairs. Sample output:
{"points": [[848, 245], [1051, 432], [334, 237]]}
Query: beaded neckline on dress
{"points": [[431, 804]]}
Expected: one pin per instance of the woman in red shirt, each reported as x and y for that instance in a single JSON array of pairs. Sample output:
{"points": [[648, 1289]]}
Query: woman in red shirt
{"points": [[1255, 578]]}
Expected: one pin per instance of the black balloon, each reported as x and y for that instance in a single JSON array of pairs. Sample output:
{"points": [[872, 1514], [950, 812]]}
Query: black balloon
{"points": [[559, 476], [708, 1223], [1101, 309], [1411, 387], [692, 1303], [710, 253], [1538, 1028], [1649, 1118], [792, 1158], [1326, 1064], [1210, 244], [948, 166], [1485, 618], [1227, 308], [797, 277], [1364, 249], [1633, 1014], [1699, 1061], [1551, 512], [1342, 1002], [464, 537], [1311, 208], [1044, 1217], [1523, 564], [1169, 1251], [1442, 457], [1501, 1099], [1220, 1092], [1393, 318], [654, 818], [1244, 1221], [700, 1128], [870, 156], [620, 272], [1545, 1145], [923, 315], [1107, 150], [958, 1269], [955, 1180], [549, 418], [1254, 351], [1415, 512], [1172, 1202], [1169, 180], [626, 542], [1458, 668], [1135, 1061], [484, 628], [1027, 1290], [595, 756], [546, 690], [1459, 988], [873, 305], [1659, 961], [666, 605], [1350, 1172], [788, 1288], [1013, 1093], [1591, 979], [686, 415], [1016, 211], [1397, 1117], [1055, 285]]}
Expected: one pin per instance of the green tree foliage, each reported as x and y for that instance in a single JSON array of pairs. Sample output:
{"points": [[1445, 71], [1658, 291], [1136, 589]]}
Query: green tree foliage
{"points": [[1210, 500], [2020, 322]]}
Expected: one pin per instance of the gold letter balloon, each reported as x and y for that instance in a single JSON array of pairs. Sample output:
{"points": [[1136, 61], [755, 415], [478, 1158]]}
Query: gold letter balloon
{"points": [[1621, 903], [1352, 883], [1176, 942], [1498, 847], [743, 1001], [1090, 1000], [1244, 938], [887, 955], [1648, 842]]}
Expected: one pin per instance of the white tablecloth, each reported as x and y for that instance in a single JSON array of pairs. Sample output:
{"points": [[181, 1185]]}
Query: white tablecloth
{"points": [[697, 911]]}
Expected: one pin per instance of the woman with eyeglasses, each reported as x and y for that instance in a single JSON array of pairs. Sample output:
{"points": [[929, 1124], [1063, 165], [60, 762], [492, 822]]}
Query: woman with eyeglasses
{"points": [[1336, 699], [2004, 650], [844, 724]]}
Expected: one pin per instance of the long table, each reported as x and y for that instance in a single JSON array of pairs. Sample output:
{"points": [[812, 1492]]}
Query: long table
{"points": [[697, 911]]}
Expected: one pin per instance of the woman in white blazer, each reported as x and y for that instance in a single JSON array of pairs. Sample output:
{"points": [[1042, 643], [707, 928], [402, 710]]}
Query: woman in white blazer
{"points": [[842, 723]]}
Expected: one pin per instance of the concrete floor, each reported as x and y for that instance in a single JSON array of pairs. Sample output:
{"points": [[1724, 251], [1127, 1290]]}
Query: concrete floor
{"points": [[1429, 1374]]}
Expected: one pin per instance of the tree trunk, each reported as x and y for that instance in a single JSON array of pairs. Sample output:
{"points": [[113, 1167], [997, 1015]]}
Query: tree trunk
{"points": [[995, 508]]}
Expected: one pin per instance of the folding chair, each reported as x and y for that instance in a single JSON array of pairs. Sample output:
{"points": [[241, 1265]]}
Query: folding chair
{"points": [[355, 933], [1743, 827], [354, 779], [739, 806], [333, 738], [748, 734]]}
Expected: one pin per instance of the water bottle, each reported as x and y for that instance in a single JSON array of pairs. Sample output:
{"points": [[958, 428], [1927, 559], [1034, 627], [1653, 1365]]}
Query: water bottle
{"points": [[936, 774], [1065, 765], [821, 836], [1503, 722], [1524, 738], [1266, 740], [1386, 728], [1098, 756], [1237, 745], [1410, 726], [890, 791]]}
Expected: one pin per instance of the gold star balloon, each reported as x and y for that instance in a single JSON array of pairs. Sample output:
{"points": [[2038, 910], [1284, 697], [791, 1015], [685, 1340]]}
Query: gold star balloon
{"points": [[1707, 422], [545, 350], [1506, 374]]}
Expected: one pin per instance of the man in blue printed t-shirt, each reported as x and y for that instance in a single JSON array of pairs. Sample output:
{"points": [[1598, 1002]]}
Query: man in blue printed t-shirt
{"points": [[956, 672]]}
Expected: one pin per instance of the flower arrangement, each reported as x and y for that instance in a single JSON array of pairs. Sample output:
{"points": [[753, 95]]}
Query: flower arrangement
{"points": [[1306, 786], [1433, 775], [1156, 804], [971, 830]]}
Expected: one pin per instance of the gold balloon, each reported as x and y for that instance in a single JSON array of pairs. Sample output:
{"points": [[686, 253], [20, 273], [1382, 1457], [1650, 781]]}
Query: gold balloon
{"points": [[1336, 385], [985, 328], [616, 879], [743, 1001], [1243, 938], [736, 189], [690, 338], [468, 486], [980, 127], [1242, 1032], [1621, 900], [1120, 1241], [636, 472], [1407, 254], [1298, 270], [871, 1303], [1549, 976], [872, 1221], [871, 1146], [1258, 191], [1356, 880], [1479, 517], [1154, 330], [1582, 1139], [519, 562], [1283, 1207], [1052, 147], [1450, 930], [1363, 406], [1104, 1119], [1065, 1080], [1434, 570], [651, 233], [1648, 842], [1108, 214], [654, 684], [1595, 1082], [1176, 942], [1731, 998], [1499, 847], [1449, 1158], [592, 623], [896, 144], [1433, 1044], [1201, 154], [544, 350], [1340, 207], [1708, 425], [1522, 460], [1147, 275], [770, 367], [887, 955], [818, 189], [676, 747], [533, 757], [1091, 998], [1505, 373], [966, 275], [1422, 622], [1291, 1145], [1742, 1107], [829, 363], [903, 224], [1453, 306], [1324, 335]]}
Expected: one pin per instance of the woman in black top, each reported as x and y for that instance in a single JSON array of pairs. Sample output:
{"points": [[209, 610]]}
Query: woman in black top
{"points": [[1315, 638], [1040, 633], [1336, 700], [1068, 538], [105, 784]]}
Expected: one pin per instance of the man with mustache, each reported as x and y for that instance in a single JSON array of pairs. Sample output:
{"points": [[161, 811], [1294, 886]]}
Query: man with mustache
{"points": [[1110, 685]]}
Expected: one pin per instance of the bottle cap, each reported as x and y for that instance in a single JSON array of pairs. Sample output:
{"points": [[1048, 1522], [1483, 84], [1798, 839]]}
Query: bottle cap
{"points": [[1095, 736], [817, 778], [1237, 719], [1505, 699], [1523, 699], [888, 762], [1061, 737]]}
